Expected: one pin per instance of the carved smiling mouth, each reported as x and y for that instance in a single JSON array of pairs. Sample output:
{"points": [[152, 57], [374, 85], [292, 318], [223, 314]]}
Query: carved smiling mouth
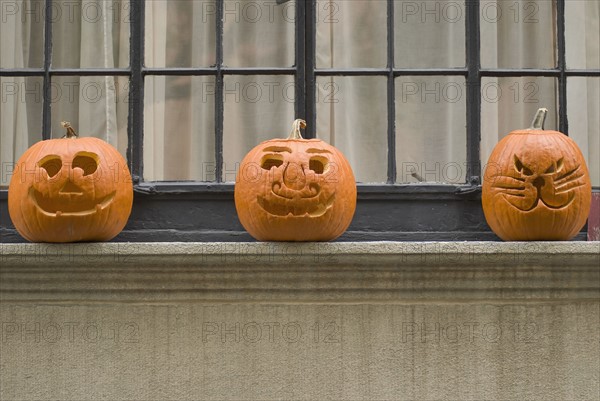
{"points": [[51, 209], [279, 208]]}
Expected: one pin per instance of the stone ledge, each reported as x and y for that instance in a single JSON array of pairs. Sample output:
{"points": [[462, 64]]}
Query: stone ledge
{"points": [[300, 272]]}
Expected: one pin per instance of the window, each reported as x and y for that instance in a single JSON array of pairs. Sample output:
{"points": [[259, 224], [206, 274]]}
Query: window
{"points": [[416, 94]]}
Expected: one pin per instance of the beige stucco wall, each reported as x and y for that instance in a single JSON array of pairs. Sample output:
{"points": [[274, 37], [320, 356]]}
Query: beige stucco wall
{"points": [[374, 321]]}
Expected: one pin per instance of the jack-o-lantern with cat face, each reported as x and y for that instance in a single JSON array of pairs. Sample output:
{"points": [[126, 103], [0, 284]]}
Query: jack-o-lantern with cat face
{"points": [[536, 185]]}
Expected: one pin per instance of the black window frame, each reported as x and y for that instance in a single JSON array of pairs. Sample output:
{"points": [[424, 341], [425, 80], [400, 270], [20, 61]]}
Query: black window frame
{"points": [[376, 202]]}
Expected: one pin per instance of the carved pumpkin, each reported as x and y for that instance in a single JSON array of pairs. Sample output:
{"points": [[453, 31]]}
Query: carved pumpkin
{"points": [[70, 189], [295, 189], [536, 185]]}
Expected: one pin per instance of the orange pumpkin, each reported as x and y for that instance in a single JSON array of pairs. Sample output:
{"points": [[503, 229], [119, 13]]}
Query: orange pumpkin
{"points": [[70, 189], [295, 189], [536, 185]]}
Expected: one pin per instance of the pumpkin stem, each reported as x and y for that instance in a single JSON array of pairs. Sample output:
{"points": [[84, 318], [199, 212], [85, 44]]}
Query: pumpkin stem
{"points": [[298, 124], [539, 119], [70, 131]]}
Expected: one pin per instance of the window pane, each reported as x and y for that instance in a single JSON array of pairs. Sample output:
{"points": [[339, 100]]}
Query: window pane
{"points": [[179, 128], [180, 33], [352, 116], [431, 138], [90, 34], [257, 108], [258, 33], [518, 34], [583, 100], [22, 33], [95, 106], [351, 33], [429, 34], [582, 25], [508, 104], [20, 120]]}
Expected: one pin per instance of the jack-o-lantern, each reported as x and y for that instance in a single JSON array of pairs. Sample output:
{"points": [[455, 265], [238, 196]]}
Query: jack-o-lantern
{"points": [[295, 189], [70, 189], [536, 185]]}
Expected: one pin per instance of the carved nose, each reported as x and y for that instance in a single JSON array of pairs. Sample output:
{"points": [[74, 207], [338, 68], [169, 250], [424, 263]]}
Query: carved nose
{"points": [[294, 177], [71, 188], [539, 182]]}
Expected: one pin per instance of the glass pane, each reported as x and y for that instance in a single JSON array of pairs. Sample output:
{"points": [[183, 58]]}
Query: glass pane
{"points": [[431, 138], [90, 34], [180, 33], [257, 108], [518, 34], [583, 100], [429, 34], [582, 26], [510, 103], [179, 128], [258, 33], [351, 34], [20, 120], [352, 116], [95, 106], [22, 33]]}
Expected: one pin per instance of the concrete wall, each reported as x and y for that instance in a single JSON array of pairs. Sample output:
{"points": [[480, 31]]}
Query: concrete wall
{"points": [[336, 321]]}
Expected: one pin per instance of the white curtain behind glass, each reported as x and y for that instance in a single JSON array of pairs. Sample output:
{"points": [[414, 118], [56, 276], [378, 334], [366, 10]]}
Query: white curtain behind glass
{"points": [[92, 34], [351, 111]]}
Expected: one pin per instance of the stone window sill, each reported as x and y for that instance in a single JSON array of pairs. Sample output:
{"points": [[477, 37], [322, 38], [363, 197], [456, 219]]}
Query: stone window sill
{"points": [[300, 272]]}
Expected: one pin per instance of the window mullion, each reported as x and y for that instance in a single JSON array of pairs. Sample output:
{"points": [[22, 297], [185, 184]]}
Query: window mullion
{"points": [[47, 111], [472, 37], [391, 95], [136, 92], [310, 95], [563, 123], [300, 63]]}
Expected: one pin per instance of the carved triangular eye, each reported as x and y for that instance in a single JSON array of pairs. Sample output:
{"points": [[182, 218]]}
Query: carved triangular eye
{"points": [[559, 165], [555, 168], [521, 168]]}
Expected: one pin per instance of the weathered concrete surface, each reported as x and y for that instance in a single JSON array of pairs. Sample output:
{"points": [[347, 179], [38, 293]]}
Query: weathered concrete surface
{"points": [[339, 321]]}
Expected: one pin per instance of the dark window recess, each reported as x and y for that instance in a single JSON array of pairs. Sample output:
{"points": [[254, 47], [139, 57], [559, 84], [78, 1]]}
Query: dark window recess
{"points": [[173, 211]]}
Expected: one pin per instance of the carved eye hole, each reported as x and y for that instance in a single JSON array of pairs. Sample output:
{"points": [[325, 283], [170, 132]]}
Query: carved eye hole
{"points": [[520, 167], [555, 169], [318, 164], [270, 161], [88, 162], [52, 164]]}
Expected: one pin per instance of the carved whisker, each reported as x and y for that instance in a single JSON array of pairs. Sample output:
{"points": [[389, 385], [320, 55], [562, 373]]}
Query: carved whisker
{"points": [[508, 181], [559, 189], [567, 180], [521, 188], [567, 174], [508, 193]]}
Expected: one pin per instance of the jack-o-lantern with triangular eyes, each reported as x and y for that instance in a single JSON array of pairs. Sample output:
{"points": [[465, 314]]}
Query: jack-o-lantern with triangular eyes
{"points": [[536, 185], [69, 190], [295, 189]]}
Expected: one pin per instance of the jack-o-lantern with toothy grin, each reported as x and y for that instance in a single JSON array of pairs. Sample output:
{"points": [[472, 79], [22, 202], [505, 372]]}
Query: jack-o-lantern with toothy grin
{"points": [[295, 189], [70, 189]]}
